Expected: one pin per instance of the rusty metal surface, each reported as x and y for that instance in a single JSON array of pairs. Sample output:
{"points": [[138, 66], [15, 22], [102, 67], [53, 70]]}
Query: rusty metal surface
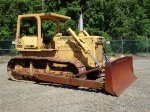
{"points": [[13, 67], [18, 72], [70, 81], [26, 72], [76, 63], [119, 75], [89, 71], [17, 76]]}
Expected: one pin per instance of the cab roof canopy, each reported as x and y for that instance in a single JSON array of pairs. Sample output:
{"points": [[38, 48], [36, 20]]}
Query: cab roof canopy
{"points": [[45, 16]]}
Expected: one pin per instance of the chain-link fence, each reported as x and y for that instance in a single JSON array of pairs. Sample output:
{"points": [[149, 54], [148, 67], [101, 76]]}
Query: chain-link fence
{"points": [[7, 47], [127, 46]]}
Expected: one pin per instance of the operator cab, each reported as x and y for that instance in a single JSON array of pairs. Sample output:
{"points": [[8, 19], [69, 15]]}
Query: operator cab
{"points": [[30, 34]]}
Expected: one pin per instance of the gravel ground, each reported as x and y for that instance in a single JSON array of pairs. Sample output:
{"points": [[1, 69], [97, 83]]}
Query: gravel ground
{"points": [[31, 97]]}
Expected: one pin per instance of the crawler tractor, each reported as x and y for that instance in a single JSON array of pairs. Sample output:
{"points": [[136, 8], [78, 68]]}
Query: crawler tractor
{"points": [[75, 60]]}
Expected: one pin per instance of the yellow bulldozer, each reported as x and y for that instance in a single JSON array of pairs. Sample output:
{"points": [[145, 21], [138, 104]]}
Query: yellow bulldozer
{"points": [[75, 60]]}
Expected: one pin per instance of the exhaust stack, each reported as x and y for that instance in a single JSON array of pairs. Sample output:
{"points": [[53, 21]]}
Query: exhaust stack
{"points": [[81, 23], [81, 31]]}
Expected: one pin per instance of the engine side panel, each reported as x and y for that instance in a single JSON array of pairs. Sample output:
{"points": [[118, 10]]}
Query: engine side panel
{"points": [[66, 48]]}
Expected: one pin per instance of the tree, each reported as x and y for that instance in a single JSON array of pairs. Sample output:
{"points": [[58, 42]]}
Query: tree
{"points": [[113, 19]]}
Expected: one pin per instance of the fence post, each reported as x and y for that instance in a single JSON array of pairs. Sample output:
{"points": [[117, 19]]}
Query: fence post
{"points": [[122, 45], [147, 41]]}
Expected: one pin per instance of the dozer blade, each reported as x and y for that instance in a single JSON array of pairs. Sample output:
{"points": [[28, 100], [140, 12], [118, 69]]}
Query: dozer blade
{"points": [[119, 75]]}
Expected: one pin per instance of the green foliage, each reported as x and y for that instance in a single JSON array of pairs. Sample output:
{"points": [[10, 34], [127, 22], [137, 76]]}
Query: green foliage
{"points": [[112, 19], [49, 28], [109, 50], [13, 51]]}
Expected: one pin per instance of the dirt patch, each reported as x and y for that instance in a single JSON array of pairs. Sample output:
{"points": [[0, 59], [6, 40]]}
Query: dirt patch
{"points": [[27, 97], [141, 56], [5, 59]]}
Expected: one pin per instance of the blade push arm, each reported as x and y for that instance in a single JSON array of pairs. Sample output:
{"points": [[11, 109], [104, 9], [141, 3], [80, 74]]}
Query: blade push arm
{"points": [[83, 45]]}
